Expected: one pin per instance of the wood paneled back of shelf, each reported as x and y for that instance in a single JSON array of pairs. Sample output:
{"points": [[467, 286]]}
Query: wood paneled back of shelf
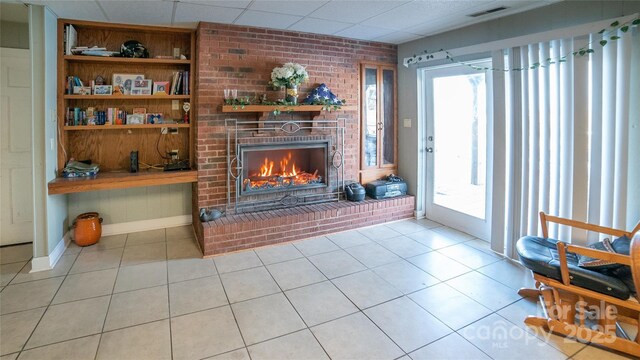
{"points": [[110, 148], [113, 147]]}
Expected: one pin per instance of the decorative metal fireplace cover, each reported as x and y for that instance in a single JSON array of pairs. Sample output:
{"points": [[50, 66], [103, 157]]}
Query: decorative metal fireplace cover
{"points": [[241, 133]]}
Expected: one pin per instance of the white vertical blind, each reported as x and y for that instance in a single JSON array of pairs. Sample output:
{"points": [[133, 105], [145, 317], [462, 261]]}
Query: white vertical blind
{"points": [[524, 119], [534, 145], [568, 128], [595, 141]]}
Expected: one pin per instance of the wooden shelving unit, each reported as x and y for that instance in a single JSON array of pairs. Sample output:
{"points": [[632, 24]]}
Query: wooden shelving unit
{"points": [[264, 111], [126, 97], [121, 127], [110, 145], [115, 60], [120, 180]]}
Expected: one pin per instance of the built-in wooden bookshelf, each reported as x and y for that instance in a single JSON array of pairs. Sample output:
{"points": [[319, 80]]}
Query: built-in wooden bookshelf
{"points": [[110, 145]]}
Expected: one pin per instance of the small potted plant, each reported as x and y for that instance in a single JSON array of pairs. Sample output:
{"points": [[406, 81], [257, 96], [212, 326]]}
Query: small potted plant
{"points": [[290, 75]]}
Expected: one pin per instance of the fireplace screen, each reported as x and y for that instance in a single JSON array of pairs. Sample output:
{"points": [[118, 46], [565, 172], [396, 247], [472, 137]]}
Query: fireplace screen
{"points": [[283, 167]]}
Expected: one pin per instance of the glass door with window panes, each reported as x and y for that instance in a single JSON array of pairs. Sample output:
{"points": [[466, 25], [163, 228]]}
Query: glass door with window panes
{"points": [[379, 155]]}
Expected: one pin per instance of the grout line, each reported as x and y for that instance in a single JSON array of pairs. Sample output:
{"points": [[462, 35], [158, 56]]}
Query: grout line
{"points": [[47, 308], [235, 319], [167, 263]]}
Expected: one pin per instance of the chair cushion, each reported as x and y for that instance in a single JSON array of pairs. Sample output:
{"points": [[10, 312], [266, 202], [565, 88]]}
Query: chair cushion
{"points": [[540, 256]]}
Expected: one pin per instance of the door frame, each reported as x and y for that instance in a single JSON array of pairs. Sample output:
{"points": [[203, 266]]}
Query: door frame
{"points": [[452, 218]]}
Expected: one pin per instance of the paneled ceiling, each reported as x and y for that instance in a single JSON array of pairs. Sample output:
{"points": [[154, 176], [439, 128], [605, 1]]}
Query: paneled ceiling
{"points": [[390, 21]]}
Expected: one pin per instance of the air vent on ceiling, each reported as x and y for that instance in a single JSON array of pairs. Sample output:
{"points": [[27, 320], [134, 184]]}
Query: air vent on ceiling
{"points": [[486, 12]]}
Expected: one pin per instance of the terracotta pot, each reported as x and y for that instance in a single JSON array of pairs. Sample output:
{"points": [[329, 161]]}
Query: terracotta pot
{"points": [[87, 228]]}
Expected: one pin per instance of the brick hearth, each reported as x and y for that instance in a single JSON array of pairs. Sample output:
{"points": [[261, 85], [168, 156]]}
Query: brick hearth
{"points": [[245, 231], [239, 57]]}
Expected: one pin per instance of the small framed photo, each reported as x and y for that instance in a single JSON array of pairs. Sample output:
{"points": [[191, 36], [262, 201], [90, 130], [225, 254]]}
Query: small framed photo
{"points": [[161, 88], [125, 82], [135, 119], [102, 90], [82, 90], [141, 87], [154, 118]]}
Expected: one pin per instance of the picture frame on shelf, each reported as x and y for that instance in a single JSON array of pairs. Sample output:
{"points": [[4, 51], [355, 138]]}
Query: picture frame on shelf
{"points": [[154, 118], [135, 119], [161, 88], [142, 87], [126, 81], [82, 90], [102, 90]]}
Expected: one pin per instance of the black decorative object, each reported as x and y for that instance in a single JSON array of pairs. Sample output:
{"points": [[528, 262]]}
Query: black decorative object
{"points": [[133, 49], [210, 214], [355, 192]]}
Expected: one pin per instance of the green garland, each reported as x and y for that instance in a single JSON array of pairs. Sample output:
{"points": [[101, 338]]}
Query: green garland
{"points": [[240, 103], [608, 32]]}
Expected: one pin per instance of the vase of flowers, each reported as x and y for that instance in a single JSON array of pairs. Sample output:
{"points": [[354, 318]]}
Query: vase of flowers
{"points": [[289, 76]]}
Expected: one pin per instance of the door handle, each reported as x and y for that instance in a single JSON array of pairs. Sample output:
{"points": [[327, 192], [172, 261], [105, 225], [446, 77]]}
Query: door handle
{"points": [[429, 149]]}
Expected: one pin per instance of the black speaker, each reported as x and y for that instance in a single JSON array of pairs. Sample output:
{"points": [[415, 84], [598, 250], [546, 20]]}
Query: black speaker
{"points": [[134, 162]]}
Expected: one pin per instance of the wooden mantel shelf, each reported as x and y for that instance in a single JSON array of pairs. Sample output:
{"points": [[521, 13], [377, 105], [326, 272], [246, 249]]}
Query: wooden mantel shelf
{"points": [[120, 180], [282, 108]]}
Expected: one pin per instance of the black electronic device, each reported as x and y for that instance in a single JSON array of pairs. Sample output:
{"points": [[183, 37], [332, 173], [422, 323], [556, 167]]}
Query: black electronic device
{"points": [[133, 161], [179, 165], [388, 187]]}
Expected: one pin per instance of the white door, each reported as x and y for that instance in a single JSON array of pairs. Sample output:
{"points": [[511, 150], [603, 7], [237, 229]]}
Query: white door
{"points": [[458, 118], [16, 180]]}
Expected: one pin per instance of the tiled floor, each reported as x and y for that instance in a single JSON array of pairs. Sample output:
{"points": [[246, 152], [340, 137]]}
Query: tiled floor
{"points": [[410, 290]]}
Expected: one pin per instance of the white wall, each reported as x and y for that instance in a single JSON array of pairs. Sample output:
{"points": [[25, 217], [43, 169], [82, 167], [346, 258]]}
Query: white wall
{"points": [[50, 215], [556, 16], [134, 204]]}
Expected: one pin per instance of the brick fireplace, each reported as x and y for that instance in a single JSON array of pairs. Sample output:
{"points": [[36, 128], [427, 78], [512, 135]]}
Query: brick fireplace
{"points": [[239, 57]]}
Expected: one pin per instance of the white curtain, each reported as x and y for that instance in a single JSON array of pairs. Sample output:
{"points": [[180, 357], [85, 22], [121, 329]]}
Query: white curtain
{"points": [[571, 138]]}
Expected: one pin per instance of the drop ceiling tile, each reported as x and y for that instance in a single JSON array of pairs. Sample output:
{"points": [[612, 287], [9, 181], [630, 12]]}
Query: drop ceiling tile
{"points": [[319, 26], [84, 10], [192, 13], [398, 37], [417, 12], [353, 11], [138, 12], [236, 4], [301, 8], [364, 32], [266, 20]]}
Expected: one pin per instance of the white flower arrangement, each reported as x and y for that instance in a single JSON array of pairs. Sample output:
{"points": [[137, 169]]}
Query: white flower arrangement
{"points": [[290, 74]]}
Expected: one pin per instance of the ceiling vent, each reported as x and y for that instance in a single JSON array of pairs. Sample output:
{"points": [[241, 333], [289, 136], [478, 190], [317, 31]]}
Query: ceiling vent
{"points": [[487, 12]]}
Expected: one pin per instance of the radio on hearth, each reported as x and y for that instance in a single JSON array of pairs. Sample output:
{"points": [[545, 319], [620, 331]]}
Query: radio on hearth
{"points": [[391, 186]]}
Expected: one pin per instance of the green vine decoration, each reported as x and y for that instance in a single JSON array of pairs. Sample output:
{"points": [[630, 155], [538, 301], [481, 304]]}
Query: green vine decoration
{"points": [[282, 105], [609, 33]]}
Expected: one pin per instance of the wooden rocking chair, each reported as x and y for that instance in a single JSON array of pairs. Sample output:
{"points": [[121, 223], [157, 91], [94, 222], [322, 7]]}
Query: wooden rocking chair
{"points": [[572, 295]]}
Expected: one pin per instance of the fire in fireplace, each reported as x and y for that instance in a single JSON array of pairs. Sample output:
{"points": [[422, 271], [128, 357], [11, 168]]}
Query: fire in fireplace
{"points": [[283, 167]]}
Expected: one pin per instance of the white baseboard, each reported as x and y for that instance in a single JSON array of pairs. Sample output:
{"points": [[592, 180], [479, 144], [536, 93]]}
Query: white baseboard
{"points": [[144, 225], [43, 263], [419, 214]]}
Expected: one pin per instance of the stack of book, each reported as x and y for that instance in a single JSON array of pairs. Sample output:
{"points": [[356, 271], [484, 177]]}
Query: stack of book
{"points": [[180, 83]]}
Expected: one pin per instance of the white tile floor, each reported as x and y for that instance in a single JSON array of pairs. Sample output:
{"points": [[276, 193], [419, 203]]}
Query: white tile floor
{"points": [[410, 290]]}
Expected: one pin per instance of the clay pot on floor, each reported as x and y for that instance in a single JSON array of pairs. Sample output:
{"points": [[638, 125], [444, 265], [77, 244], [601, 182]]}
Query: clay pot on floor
{"points": [[87, 229]]}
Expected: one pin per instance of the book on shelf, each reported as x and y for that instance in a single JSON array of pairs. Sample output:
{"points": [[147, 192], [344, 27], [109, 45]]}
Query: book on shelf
{"points": [[71, 38], [180, 83]]}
